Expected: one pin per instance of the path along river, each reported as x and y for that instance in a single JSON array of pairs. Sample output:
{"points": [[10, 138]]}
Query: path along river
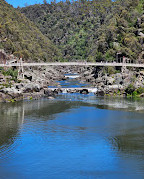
{"points": [[72, 136]]}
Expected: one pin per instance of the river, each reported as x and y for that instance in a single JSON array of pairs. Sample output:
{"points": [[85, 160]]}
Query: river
{"points": [[72, 136]]}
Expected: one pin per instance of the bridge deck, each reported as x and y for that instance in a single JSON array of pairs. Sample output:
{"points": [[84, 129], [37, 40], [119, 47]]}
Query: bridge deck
{"points": [[137, 65]]}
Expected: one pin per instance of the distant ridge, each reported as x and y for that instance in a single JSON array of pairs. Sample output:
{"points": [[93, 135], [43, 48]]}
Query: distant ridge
{"points": [[92, 30]]}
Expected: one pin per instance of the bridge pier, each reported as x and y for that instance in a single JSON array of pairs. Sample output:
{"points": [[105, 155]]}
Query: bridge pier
{"points": [[21, 69], [123, 69]]}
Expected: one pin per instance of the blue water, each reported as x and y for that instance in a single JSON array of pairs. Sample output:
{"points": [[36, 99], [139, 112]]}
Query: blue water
{"points": [[71, 82], [72, 136]]}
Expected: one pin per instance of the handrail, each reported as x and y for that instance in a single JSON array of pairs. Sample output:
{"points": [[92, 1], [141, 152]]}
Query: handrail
{"points": [[74, 64]]}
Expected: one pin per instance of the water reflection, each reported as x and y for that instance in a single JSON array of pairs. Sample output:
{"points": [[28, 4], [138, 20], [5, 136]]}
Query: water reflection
{"points": [[11, 117], [71, 137], [130, 142], [115, 103]]}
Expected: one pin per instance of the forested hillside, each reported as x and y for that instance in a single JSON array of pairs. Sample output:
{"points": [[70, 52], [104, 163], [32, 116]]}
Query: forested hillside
{"points": [[92, 30], [19, 36]]}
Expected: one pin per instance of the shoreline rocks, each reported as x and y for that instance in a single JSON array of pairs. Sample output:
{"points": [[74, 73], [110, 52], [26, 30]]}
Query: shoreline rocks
{"points": [[33, 86], [112, 84], [36, 82]]}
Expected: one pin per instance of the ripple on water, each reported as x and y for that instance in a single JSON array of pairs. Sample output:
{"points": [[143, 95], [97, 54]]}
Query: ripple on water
{"points": [[73, 139], [8, 150]]}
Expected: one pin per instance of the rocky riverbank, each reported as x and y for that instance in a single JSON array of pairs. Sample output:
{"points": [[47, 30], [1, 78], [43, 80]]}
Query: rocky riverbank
{"points": [[114, 82], [36, 82], [33, 86], [110, 81]]}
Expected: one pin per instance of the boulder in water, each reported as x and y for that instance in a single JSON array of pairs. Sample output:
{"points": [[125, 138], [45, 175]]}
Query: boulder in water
{"points": [[84, 91], [100, 92]]}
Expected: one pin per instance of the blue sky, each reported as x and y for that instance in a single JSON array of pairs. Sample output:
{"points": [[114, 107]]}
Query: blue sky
{"points": [[22, 3]]}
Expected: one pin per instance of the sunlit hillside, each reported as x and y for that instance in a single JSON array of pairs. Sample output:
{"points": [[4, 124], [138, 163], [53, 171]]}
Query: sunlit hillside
{"points": [[19, 36], [92, 30]]}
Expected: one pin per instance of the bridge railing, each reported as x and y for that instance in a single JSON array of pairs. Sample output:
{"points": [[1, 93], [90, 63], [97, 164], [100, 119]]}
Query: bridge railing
{"points": [[73, 63]]}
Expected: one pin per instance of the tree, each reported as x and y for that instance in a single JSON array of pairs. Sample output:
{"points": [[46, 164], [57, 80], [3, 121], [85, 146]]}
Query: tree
{"points": [[44, 1]]}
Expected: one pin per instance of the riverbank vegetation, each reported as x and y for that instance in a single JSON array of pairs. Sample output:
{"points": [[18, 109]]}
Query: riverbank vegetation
{"points": [[8, 77], [131, 91], [94, 30]]}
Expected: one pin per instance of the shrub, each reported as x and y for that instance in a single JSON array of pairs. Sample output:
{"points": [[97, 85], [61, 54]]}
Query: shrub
{"points": [[11, 72], [111, 70], [130, 89], [140, 90], [1, 69], [134, 94]]}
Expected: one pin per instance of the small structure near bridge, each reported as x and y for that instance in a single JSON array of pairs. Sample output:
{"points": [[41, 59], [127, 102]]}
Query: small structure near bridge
{"points": [[11, 61], [120, 58]]}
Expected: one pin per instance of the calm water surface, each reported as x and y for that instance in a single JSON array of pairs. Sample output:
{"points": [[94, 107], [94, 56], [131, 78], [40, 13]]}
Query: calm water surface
{"points": [[73, 136]]}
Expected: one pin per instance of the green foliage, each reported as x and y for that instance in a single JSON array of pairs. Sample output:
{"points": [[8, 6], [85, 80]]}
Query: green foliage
{"points": [[12, 100], [111, 70], [130, 89], [99, 56], [89, 29], [78, 44], [11, 72], [1, 69], [118, 92], [140, 6], [110, 55], [140, 90], [134, 94], [20, 36]]}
